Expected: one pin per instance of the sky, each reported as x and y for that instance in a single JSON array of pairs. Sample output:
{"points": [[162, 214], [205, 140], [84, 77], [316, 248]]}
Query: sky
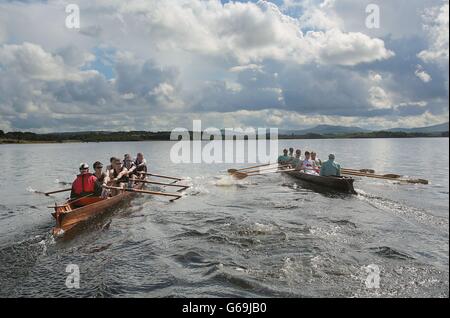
{"points": [[160, 64]]}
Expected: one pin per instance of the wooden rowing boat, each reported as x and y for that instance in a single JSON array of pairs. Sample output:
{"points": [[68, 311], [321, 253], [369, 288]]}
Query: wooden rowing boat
{"points": [[71, 214], [341, 184]]}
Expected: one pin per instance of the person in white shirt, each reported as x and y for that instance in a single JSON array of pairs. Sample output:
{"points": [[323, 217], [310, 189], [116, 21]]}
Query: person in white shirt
{"points": [[308, 166]]}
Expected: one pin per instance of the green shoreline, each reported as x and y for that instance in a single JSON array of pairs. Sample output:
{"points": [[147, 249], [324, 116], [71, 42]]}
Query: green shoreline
{"points": [[94, 137]]}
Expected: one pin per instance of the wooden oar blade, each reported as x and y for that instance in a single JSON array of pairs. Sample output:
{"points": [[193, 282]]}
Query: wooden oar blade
{"points": [[232, 171], [417, 181], [240, 175]]}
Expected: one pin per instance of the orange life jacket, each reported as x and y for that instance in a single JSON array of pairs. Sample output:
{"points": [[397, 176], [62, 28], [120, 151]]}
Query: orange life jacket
{"points": [[84, 183]]}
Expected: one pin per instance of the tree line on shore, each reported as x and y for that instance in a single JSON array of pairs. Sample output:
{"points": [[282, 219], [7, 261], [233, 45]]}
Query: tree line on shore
{"points": [[29, 137]]}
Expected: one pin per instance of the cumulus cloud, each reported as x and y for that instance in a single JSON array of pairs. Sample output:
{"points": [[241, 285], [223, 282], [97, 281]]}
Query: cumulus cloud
{"points": [[159, 64], [437, 27], [422, 74]]}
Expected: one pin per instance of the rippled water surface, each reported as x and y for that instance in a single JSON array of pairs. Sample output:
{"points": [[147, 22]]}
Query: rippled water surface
{"points": [[262, 236]]}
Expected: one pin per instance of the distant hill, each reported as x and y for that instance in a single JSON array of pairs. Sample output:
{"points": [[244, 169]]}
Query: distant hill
{"points": [[324, 130], [429, 129]]}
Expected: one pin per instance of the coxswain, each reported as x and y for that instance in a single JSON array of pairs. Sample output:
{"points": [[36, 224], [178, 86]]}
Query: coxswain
{"points": [[85, 184], [330, 168]]}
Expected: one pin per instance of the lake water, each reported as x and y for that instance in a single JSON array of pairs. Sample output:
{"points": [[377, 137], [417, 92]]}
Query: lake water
{"points": [[266, 236]]}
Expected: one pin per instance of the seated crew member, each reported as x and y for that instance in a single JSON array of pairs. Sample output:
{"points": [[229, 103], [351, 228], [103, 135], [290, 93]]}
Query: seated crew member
{"points": [[109, 167], [291, 153], [85, 184], [98, 173], [330, 168], [308, 166], [129, 164], [140, 163], [131, 167], [118, 175], [316, 160], [297, 161], [284, 159]]}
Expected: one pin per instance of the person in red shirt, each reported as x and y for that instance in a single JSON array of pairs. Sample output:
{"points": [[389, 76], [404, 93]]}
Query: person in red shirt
{"points": [[85, 184]]}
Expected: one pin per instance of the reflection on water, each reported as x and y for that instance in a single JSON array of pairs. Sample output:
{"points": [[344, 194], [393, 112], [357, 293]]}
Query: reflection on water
{"points": [[262, 236]]}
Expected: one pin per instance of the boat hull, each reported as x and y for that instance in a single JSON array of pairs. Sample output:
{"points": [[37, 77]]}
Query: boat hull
{"points": [[68, 215], [340, 184]]}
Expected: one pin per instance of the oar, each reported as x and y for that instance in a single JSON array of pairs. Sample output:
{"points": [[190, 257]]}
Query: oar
{"points": [[231, 171], [70, 202], [363, 174], [161, 176], [370, 173], [57, 191], [242, 175], [263, 169], [177, 196], [360, 170], [387, 177], [163, 184]]}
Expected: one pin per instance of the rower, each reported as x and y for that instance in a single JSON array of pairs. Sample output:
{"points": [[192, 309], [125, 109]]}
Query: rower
{"points": [[308, 166], [296, 162], [291, 153], [316, 160], [98, 173], [118, 173], [141, 164], [129, 164], [109, 167], [85, 184], [284, 159], [330, 168]]}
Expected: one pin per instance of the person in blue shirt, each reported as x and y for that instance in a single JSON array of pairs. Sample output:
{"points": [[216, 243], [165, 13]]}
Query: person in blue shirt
{"points": [[284, 159], [296, 162], [330, 167]]}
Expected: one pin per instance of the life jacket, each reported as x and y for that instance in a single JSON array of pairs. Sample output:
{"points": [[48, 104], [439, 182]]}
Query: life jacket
{"points": [[84, 183]]}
